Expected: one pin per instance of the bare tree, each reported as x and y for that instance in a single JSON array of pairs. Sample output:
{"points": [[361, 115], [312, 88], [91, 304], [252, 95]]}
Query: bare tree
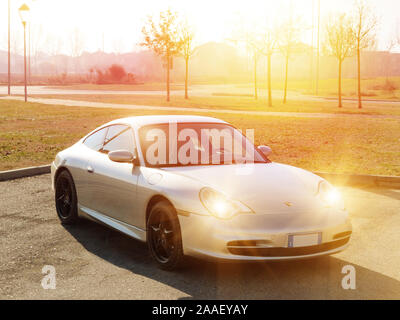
{"points": [[118, 45], [76, 46], [243, 33], [393, 42], [397, 33], [162, 37], [37, 42], [340, 42], [254, 47], [186, 39], [77, 42], [270, 42], [365, 25], [388, 48], [289, 44], [53, 45]]}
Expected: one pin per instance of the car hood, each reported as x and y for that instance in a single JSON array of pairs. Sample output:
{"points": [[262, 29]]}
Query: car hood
{"points": [[264, 187]]}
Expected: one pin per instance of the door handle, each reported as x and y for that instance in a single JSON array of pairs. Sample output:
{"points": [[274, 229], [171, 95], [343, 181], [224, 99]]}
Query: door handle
{"points": [[90, 169]]}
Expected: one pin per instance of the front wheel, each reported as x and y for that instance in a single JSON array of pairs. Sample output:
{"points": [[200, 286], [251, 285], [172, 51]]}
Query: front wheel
{"points": [[65, 197], [164, 236]]}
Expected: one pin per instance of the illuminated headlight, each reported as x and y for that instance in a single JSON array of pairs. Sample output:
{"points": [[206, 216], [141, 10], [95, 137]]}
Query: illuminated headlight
{"points": [[221, 206], [329, 195]]}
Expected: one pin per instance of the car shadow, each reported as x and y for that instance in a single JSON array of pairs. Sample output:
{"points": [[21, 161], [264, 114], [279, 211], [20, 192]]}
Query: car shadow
{"points": [[305, 279]]}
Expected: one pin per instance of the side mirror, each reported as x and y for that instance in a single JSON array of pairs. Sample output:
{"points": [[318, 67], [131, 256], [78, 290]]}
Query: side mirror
{"points": [[265, 150], [121, 156]]}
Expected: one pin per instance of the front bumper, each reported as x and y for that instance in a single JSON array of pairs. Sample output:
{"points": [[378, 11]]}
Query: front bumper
{"points": [[264, 237]]}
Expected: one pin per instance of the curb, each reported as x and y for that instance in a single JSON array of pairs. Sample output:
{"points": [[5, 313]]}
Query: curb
{"points": [[24, 172], [334, 178], [363, 180]]}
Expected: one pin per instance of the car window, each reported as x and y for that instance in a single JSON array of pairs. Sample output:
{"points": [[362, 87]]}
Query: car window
{"points": [[119, 137], [95, 140], [196, 144]]}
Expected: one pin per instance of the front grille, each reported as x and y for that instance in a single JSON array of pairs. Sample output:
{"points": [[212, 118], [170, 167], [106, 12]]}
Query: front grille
{"points": [[288, 252]]}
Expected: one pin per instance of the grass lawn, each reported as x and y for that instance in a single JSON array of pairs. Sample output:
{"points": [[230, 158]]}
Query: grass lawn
{"points": [[235, 103], [32, 134], [375, 88]]}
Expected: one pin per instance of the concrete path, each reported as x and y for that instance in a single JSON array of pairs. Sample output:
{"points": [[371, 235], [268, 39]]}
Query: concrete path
{"points": [[195, 90]]}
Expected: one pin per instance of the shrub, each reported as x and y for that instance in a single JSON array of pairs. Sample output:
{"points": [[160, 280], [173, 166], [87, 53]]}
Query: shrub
{"points": [[117, 72]]}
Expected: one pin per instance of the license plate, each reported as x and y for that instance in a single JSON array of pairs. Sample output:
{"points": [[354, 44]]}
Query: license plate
{"points": [[304, 240]]}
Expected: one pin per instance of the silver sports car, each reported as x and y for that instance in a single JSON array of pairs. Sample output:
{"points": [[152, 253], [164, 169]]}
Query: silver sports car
{"points": [[197, 186]]}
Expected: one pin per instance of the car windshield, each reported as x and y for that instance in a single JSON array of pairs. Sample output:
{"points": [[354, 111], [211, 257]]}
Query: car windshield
{"points": [[189, 144]]}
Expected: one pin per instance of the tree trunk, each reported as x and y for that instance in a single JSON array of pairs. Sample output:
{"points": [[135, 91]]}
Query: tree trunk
{"points": [[340, 84], [269, 82], [168, 66], [186, 77], [255, 77], [359, 75], [286, 79]]}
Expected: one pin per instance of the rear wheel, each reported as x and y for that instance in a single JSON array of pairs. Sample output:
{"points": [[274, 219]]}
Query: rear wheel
{"points": [[164, 236], [65, 198]]}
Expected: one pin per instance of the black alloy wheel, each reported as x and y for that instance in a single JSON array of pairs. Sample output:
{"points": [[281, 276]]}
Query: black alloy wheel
{"points": [[65, 198], [164, 236]]}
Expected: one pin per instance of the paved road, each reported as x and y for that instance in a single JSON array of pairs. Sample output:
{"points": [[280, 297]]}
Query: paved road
{"points": [[91, 104], [195, 90], [94, 262]]}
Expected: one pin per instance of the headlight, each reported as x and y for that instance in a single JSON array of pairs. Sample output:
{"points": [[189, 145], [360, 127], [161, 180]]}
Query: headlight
{"points": [[221, 206], [329, 195]]}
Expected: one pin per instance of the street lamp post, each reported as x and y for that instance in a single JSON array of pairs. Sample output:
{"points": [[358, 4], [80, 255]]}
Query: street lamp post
{"points": [[9, 49], [319, 16], [23, 13]]}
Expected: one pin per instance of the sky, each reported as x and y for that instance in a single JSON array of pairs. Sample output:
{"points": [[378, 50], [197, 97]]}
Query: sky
{"points": [[117, 24]]}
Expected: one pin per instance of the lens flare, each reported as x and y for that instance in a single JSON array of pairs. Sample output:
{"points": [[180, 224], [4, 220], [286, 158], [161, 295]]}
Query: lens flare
{"points": [[332, 197]]}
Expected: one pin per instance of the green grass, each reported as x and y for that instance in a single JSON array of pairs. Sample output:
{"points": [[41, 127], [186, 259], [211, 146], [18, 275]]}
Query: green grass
{"points": [[236, 103], [32, 134]]}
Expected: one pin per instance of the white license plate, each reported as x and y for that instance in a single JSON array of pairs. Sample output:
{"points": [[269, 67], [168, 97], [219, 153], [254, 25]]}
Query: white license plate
{"points": [[304, 240]]}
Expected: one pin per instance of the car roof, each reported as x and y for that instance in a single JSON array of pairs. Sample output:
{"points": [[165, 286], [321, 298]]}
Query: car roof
{"points": [[141, 121]]}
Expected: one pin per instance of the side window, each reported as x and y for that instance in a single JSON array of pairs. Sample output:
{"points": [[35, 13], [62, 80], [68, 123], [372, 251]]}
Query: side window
{"points": [[95, 141], [119, 137]]}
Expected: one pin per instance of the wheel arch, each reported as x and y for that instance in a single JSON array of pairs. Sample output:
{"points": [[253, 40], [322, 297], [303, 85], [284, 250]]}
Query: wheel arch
{"points": [[154, 200], [58, 172]]}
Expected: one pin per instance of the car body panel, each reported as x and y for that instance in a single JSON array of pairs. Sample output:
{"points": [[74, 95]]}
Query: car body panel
{"points": [[111, 188], [121, 226]]}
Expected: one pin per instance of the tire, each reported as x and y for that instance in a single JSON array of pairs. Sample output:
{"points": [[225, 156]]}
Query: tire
{"points": [[164, 236], [66, 199]]}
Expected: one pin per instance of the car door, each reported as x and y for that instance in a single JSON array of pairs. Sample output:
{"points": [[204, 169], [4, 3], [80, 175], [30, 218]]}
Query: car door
{"points": [[91, 147], [113, 185]]}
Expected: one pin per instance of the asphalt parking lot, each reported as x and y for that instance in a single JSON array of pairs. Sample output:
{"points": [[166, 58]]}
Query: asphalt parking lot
{"points": [[92, 261]]}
